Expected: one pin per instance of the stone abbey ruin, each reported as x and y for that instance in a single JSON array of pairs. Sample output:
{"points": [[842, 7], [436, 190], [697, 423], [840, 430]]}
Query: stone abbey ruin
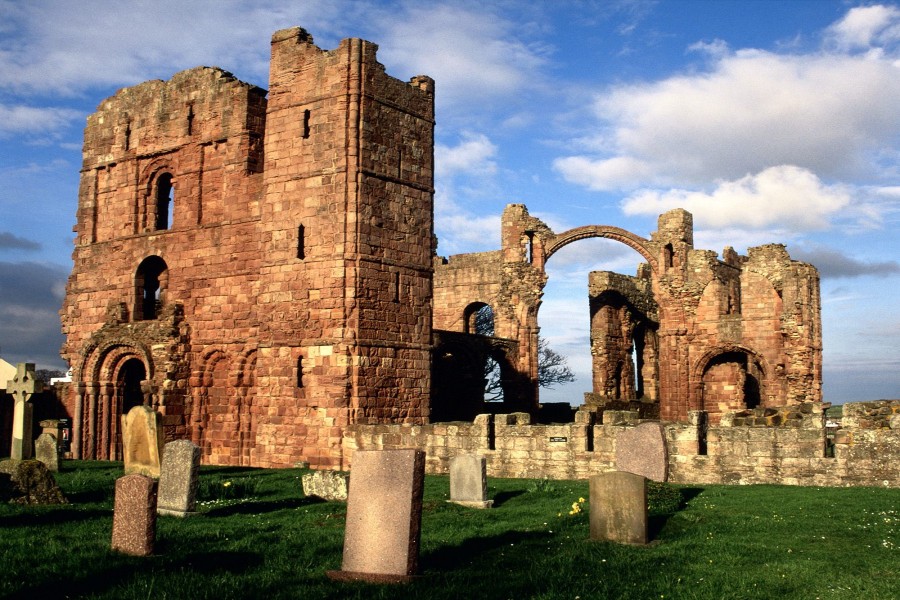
{"points": [[260, 267]]}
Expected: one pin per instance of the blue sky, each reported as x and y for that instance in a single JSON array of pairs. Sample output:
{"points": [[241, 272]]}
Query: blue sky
{"points": [[771, 121]]}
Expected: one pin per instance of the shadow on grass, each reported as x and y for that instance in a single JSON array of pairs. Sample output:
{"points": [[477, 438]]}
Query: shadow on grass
{"points": [[51, 516], [451, 558], [254, 508], [656, 522], [501, 497]]}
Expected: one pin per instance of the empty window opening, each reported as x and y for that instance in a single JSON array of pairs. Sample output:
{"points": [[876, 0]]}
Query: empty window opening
{"points": [[306, 115], [165, 201], [128, 136], [529, 247], [396, 287], [668, 256], [399, 164], [151, 281], [301, 249], [479, 319]]}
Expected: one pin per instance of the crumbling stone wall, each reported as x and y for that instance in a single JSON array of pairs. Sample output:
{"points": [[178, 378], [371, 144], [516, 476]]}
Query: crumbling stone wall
{"points": [[256, 268], [784, 445], [713, 334]]}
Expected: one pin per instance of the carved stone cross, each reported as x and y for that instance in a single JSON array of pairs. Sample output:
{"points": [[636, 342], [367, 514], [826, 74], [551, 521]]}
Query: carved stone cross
{"points": [[22, 387]]}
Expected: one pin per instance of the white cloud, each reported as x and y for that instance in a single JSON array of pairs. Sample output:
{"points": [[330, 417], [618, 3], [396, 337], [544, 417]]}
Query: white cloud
{"points": [[785, 197], [474, 54], [474, 154], [34, 120], [619, 172], [865, 26]]}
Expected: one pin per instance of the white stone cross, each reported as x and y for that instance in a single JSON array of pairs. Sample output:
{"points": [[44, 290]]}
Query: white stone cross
{"points": [[21, 388]]}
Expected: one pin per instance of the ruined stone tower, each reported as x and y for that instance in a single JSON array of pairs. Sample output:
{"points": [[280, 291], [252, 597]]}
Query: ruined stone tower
{"points": [[258, 269]]}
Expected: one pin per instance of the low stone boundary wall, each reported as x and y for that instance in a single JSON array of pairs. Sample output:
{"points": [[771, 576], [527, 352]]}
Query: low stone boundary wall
{"points": [[743, 449]]}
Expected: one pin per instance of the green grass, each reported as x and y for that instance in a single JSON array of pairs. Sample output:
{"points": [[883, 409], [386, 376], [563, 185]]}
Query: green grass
{"points": [[258, 537]]}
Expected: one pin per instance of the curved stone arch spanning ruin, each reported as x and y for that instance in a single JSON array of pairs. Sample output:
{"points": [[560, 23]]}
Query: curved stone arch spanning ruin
{"points": [[702, 364], [96, 356], [635, 242]]}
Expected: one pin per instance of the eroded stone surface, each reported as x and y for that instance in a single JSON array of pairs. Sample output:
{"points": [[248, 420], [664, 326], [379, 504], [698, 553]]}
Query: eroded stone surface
{"points": [[468, 481], [642, 450], [619, 508], [142, 441], [179, 479], [328, 485], [28, 482]]}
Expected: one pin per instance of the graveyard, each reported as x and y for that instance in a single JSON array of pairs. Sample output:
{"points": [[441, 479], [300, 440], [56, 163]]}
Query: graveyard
{"points": [[257, 535]]}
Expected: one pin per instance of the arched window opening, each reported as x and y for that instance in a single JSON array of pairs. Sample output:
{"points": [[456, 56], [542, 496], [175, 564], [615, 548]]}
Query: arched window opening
{"points": [[150, 284], [479, 319], [165, 201], [128, 395], [668, 256]]}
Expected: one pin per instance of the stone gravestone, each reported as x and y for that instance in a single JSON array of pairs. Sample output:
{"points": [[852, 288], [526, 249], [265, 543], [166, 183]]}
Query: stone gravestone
{"points": [[179, 479], [618, 512], [46, 450], [328, 485], [142, 441], [384, 516], [468, 481], [28, 482], [134, 515], [22, 387], [642, 450]]}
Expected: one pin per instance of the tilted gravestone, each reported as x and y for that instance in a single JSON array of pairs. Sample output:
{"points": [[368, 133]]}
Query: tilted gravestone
{"points": [[28, 482], [642, 450], [179, 479], [46, 450], [468, 481], [142, 441], [134, 515], [384, 516], [618, 512], [22, 387]]}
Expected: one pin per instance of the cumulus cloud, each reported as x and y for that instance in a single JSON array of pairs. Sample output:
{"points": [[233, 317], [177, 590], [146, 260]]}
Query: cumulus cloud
{"points": [[474, 154], [474, 54], [832, 113], [785, 197], [21, 119], [865, 26]]}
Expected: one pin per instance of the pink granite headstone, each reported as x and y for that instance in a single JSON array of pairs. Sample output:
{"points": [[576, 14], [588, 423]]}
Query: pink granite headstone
{"points": [[384, 516], [134, 515], [642, 450]]}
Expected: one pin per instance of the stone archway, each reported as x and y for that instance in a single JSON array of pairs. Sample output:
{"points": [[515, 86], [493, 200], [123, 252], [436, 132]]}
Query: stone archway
{"points": [[128, 394]]}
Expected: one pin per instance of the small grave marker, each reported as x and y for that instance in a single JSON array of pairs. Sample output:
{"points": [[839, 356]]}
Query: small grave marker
{"points": [[46, 450], [468, 481], [619, 508], [179, 479]]}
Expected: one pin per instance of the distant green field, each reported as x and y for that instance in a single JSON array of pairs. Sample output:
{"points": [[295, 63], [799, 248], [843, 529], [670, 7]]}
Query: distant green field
{"points": [[258, 537]]}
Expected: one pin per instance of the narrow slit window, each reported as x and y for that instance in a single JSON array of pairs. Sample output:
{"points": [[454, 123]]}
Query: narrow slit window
{"points": [[306, 115], [165, 201], [397, 286], [299, 371], [190, 119], [301, 250], [128, 136]]}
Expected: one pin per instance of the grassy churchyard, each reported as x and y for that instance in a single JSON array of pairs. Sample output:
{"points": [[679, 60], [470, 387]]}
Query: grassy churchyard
{"points": [[257, 537]]}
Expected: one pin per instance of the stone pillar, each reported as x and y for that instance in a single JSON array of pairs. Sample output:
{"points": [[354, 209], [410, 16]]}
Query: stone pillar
{"points": [[77, 429]]}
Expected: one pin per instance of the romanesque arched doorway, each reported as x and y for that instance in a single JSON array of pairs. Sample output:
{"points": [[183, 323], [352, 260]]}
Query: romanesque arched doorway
{"points": [[731, 380], [128, 394]]}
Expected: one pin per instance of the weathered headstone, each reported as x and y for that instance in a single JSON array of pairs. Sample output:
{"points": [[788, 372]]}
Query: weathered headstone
{"points": [[46, 450], [179, 479], [619, 508], [328, 485], [28, 482], [642, 450], [22, 387], [134, 515], [384, 516], [142, 441], [468, 481]]}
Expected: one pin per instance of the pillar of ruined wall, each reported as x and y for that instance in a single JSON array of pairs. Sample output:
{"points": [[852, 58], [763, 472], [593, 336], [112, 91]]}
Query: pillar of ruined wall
{"points": [[346, 231], [200, 135]]}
